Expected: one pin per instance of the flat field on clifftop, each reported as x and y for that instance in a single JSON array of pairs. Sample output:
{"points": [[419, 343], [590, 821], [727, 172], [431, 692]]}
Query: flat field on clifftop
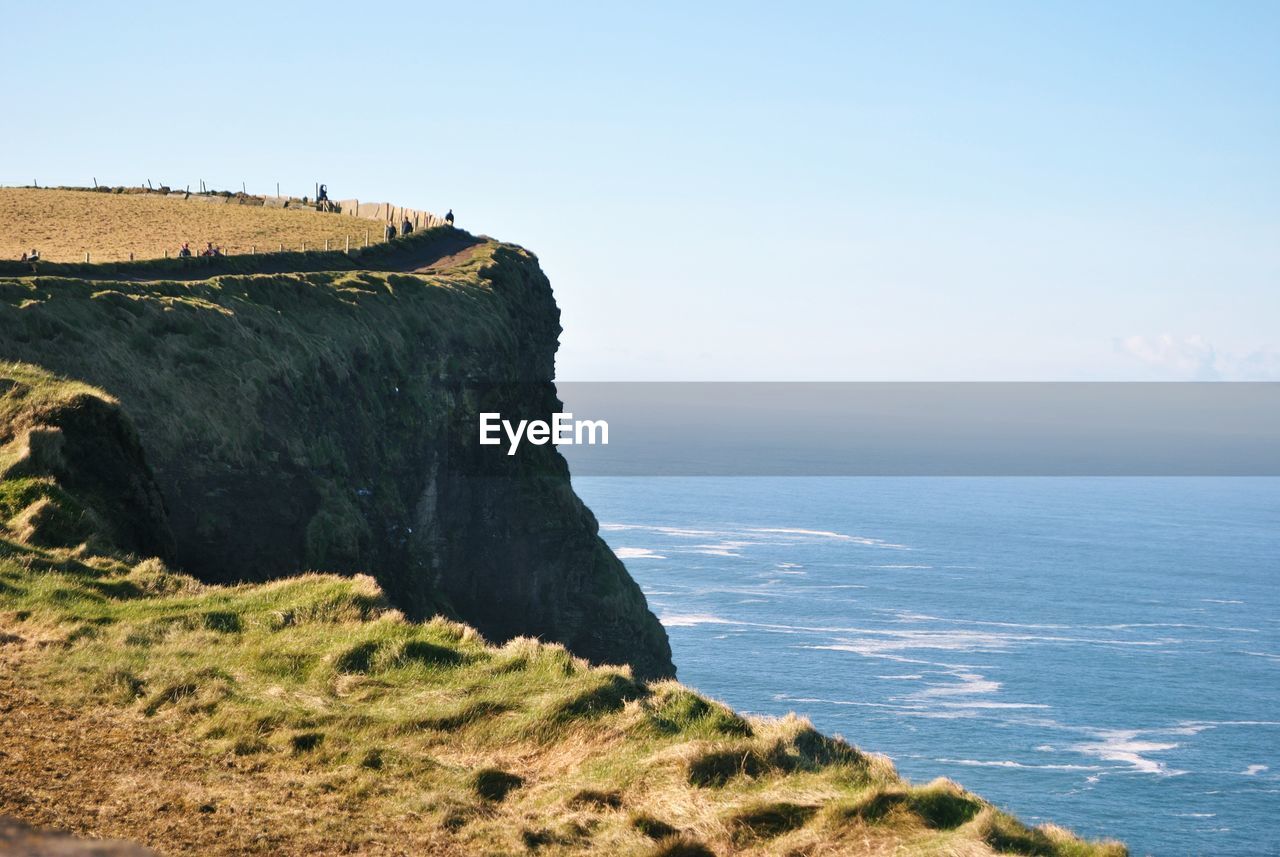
{"points": [[65, 224]]}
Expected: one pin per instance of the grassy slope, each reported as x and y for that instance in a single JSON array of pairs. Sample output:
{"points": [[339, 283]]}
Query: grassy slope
{"points": [[312, 685], [65, 224]]}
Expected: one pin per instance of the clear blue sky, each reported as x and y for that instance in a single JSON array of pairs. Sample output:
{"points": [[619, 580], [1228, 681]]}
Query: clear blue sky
{"points": [[823, 191]]}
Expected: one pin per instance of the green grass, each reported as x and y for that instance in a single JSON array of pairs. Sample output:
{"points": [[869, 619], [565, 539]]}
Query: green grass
{"points": [[519, 747]]}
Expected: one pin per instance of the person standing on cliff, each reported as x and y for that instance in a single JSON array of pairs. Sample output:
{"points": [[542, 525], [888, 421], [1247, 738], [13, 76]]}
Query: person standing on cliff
{"points": [[406, 227], [448, 218], [390, 231]]}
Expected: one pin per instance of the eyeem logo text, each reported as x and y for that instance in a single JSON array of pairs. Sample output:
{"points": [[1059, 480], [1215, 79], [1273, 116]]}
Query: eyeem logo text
{"points": [[563, 430]]}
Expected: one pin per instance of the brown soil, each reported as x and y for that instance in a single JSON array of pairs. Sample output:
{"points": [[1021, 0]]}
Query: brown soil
{"points": [[112, 773]]}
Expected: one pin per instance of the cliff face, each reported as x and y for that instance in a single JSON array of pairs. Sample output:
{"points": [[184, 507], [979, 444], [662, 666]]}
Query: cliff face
{"points": [[328, 420]]}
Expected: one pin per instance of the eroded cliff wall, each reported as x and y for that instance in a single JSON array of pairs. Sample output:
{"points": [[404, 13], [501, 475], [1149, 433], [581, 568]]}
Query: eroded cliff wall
{"points": [[327, 420]]}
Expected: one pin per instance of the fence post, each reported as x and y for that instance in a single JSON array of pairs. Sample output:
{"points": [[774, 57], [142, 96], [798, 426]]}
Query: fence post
{"points": [[304, 246], [86, 257], [253, 249], [281, 246], [366, 238], [166, 252], [326, 245], [348, 250]]}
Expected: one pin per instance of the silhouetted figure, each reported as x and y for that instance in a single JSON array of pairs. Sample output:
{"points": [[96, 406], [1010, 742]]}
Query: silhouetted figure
{"points": [[208, 249], [24, 257], [406, 227], [448, 218], [185, 252], [34, 255], [324, 194], [390, 231]]}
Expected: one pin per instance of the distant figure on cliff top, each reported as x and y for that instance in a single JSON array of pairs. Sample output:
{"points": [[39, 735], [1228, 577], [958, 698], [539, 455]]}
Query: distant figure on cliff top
{"points": [[323, 196], [448, 218], [185, 252], [33, 256], [390, 231], [406, 227]]}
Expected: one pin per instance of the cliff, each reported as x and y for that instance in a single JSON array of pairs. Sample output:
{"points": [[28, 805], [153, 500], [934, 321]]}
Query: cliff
{"points": [[272, 421]]}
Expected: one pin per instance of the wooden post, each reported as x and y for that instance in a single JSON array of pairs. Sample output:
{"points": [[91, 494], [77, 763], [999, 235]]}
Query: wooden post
{"points": [[366, 238], [243, 189], [326, 245], [304, 246], [277, 190], [86, 257], [95, 182], [253, 249], [166, 252], [131, 257], [348, 250]]}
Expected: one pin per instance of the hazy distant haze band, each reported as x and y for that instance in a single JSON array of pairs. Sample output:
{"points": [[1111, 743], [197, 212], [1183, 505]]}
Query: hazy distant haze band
{"points": [[928, 429]]}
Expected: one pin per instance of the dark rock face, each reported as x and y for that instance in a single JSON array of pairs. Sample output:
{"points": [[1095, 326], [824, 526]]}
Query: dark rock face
{"points": [[329, 421], [89, 469]]}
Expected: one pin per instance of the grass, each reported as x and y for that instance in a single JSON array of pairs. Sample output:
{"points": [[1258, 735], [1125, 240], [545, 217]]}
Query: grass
{"points": [[315, 684], [65, 224]]}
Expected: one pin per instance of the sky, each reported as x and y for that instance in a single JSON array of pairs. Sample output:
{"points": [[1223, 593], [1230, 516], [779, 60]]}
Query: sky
{"points": [[740, 191]]}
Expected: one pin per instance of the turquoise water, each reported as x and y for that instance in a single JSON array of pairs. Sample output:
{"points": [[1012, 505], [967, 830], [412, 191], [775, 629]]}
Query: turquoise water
{"points": [[1103, 653]]}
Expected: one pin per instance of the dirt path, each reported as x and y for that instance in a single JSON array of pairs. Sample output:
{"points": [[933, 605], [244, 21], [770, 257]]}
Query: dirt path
{"points": [[111, 773]]}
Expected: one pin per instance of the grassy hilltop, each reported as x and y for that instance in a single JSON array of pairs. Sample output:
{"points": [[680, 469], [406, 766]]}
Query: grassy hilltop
{"points": [[65, 224], [309, 714]]}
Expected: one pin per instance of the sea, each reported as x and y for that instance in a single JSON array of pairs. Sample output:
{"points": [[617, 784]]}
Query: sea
{"points": [[1103, 653]]}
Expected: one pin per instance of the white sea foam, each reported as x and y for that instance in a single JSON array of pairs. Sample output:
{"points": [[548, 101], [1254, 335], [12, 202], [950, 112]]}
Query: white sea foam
{"points": [[724, 548], [981, 705], [637, 553], [826, 534], [980, 763], [1125, 746], [1254, 770], [688, 620], [969, 684]]}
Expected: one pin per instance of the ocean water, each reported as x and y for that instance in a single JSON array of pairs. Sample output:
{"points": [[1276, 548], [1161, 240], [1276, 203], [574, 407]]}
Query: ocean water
{"points": [[1102, 653]]}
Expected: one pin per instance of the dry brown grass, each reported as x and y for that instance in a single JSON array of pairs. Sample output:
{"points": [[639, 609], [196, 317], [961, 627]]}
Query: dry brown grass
{"points": [[65, 224]]}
